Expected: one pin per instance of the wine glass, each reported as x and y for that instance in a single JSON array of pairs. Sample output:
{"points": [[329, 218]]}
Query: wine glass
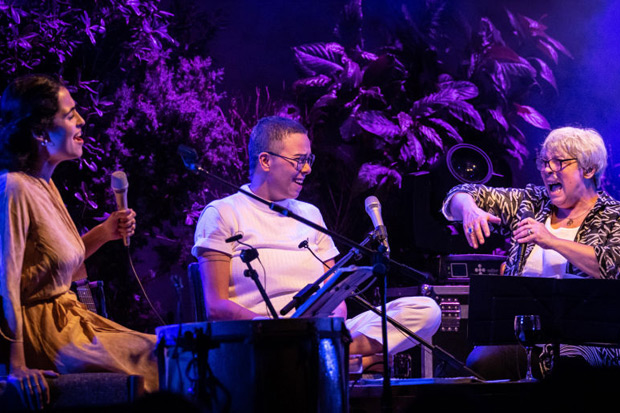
{"points": [[527, 331]]}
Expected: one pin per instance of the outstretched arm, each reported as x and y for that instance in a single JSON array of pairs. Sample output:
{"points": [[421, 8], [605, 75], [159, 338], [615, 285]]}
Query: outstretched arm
{"points": [[462, 207]]}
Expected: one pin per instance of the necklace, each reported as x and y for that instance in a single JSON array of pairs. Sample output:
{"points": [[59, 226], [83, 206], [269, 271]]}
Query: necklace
{"points": [[572, 219]]}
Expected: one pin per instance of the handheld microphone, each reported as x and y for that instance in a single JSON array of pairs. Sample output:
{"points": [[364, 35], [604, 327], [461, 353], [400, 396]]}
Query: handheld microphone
{"points": [[373, 209], [119, 186], [523, 247]]}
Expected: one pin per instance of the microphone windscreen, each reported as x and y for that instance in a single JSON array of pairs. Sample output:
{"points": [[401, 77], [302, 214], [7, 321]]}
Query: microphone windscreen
{"points": [[189, 156], [119, 181], [371, 202]]}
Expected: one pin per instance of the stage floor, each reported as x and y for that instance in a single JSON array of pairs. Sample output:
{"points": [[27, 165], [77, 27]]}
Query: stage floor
{"points": [[463, 394]]}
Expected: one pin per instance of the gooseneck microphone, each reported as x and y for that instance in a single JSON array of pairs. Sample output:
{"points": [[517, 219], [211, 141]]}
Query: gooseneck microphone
{"points": [[523, 247], [304, 244], [373, 209], [119, 185]]}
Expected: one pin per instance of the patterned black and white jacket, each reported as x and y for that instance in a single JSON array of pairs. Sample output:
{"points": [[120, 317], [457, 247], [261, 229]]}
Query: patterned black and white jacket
{"points": [[600, 228]]}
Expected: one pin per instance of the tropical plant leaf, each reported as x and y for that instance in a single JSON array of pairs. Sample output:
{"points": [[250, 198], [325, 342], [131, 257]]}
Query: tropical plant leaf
{"points": [[532, 116], [516, 144], [377, 123], [373, 93], [428, 134], [326, 100], [521, 69], [548, 50], [351, 76], [312, 82], [500, 79], [404, 121], [450, 130], [501, 52], [412, 149], [319, 58], [429, 104], [515, 23], [559, 46], [546, 73], [384, 68], [463, 89], [466, 113], [488, 34], [349, 129], [498, 115], [372, 175]]}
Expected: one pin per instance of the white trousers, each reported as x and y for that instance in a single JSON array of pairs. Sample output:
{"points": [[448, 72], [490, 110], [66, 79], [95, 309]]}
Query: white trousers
{"points": [[419, 314]]}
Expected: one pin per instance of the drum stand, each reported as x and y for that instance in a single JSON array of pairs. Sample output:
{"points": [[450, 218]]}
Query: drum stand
{"points": [[248, 256]]}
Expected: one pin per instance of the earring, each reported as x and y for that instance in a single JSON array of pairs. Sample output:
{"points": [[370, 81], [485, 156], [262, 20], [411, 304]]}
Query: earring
{"points": [[44, 142]]}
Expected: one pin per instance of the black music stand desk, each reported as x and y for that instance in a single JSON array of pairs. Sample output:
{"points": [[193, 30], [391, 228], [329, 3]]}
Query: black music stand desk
{"points": [[572, 311]]}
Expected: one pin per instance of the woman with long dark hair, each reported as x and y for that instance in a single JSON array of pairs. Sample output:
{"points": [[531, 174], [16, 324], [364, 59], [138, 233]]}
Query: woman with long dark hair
{"points": [[47, 329]]}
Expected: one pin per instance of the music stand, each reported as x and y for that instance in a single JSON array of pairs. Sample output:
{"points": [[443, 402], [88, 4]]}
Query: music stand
{"points": [[340, 286], [572, 311]]}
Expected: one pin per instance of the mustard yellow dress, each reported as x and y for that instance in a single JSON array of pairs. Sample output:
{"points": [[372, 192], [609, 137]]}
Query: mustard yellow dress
{"points": [[41, 252]]}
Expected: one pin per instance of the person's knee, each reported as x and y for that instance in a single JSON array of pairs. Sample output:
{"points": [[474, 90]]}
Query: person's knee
{"points": [[430, 312], [422, 313]]}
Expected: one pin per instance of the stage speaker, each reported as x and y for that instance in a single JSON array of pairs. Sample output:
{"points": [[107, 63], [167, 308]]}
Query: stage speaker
{"points": [[469, 164], [424, 192]]}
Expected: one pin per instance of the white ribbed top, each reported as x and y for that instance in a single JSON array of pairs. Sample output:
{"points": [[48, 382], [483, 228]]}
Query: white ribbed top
{"points": [[287, 268]]}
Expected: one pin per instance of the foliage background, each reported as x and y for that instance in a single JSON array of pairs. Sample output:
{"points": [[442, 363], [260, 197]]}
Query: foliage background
{"points": [[385, 90]]}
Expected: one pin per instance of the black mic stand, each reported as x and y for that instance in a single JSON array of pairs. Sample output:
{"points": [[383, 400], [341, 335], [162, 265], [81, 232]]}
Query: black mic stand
{"points": [[353, 253], [380, 272], [247, 256]]}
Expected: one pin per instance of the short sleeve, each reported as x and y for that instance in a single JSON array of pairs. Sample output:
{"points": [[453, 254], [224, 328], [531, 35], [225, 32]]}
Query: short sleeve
{"points": [[212, 231]]}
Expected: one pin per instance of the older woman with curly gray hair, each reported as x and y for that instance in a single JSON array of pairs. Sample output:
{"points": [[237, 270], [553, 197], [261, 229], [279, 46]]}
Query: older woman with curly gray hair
{"points": [[570, 226]]}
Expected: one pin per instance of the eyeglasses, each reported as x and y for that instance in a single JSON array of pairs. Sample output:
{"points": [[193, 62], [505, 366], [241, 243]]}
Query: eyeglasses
{"points": [[299, 161], [556, 165]]}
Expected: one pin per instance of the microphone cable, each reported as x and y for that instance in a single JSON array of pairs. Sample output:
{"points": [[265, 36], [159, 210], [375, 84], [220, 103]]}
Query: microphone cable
{"points": [[304, 244], [133, 269]]}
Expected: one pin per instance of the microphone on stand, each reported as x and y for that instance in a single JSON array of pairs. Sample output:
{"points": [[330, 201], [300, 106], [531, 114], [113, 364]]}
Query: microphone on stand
{"points": [[119, 185], [373, 209]]}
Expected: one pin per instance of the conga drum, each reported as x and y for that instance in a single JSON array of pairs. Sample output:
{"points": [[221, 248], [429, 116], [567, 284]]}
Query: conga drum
{"points": [[298, 365]]}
